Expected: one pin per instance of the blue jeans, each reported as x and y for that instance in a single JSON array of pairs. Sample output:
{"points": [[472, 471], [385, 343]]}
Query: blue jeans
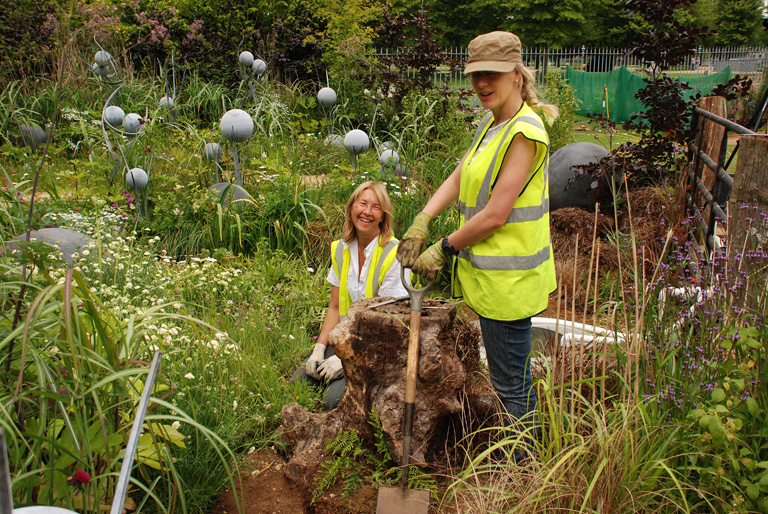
{"points": [[508, 349], [333, 392]]}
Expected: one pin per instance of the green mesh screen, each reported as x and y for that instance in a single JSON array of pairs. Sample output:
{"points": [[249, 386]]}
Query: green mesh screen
{"points": [[620, 87]]}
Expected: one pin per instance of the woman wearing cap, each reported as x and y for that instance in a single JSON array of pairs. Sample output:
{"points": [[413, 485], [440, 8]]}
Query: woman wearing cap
{"points": [[504, 267], [363, 265]]}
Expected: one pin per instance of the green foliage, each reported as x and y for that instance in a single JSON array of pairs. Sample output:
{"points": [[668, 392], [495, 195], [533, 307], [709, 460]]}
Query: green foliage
{"points": [[740, 22], [728, 427], [560, 93], [348, 451]]}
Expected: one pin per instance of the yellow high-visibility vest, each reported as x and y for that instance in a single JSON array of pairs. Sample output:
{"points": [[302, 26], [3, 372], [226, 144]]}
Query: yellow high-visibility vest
{"points": [[381, 261], [508, 275]]}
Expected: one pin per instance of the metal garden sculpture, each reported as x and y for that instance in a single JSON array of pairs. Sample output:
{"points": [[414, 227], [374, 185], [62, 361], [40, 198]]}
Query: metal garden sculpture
{"points": [[356, 142], [252, 70], [326, 97], [237, 127]]}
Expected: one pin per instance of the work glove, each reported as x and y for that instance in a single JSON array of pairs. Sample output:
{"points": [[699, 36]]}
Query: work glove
{"points": [[330, 369], [430, 262], [414, 241], [311, 365]]}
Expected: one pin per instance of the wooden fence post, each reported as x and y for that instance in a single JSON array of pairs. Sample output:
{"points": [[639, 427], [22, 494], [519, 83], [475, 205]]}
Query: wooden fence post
{"points": [[748, 204]]}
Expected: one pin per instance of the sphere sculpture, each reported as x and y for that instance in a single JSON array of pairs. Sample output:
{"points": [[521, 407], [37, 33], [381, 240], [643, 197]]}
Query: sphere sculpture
{"points": [[114, 115], [356, 142], [389, 158], [245, 58], [102, 58], [167, 102], [334, 139], [568, 190], [259, 67], [237, 125], [137, 179], [132, 123], [212, 151], [101, 71], [31, 136], [326, 97]]}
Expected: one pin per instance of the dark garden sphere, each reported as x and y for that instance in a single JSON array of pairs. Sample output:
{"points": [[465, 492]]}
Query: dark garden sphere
{"points": [[564, 189]]}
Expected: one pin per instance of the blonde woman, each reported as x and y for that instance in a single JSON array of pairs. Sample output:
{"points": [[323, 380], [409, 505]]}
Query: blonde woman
{"points": [[503, 265], [364, 265]]}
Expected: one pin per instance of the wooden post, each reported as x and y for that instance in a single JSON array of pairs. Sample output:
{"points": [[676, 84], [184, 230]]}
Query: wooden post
{"points": [[748, 203], [711, 143]]}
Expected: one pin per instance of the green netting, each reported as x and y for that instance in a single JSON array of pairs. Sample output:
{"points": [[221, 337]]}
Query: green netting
{"points": [[620, 87]]}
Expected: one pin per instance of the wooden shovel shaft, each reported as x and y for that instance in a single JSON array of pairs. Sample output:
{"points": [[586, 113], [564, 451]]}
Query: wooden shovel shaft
{"points": [[411, 374], [412, 368]]}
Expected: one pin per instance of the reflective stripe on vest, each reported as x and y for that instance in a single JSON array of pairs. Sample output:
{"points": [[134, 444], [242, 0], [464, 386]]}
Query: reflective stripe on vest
{"points": [[509, 274], [381, 261]]}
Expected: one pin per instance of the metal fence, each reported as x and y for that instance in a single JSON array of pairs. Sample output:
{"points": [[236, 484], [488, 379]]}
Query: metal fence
{"points": [[745, 61]]}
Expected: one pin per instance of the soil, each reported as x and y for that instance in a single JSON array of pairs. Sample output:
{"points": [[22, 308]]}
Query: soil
{"points": [[264, 488]]}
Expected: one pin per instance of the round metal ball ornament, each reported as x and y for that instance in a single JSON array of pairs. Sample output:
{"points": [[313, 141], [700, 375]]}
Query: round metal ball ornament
{"points": [[389, 158], [101, 71], [335, 140], [259, 67], [114, 115], [102, 58], [356, 142], [237, 125], [136, 178], [167, 102], [132, 123], [212, 151], [245, 58], [326, 97]]}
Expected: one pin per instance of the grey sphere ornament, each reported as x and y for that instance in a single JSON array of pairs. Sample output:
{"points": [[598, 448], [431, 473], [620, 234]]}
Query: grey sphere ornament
{"points": [[212, 151], [132, 123], [167, 102], [237, 125], [356, 142], [259, 67], [245, 58], [334, 139], [114, 115], [326, 97], [101, 71], [31, 136], [102, 58], [389, 158], [136, 178]]}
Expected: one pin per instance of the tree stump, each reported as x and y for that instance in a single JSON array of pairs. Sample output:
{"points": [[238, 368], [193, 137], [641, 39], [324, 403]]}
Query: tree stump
{"points": [[372, 344]]}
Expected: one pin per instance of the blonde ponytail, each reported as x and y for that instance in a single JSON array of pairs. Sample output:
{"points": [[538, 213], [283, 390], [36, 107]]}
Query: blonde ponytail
{"points": [[528, 92]]}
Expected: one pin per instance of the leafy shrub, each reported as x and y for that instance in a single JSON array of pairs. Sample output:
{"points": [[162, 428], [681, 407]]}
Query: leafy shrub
{"points": [[560, 93]]}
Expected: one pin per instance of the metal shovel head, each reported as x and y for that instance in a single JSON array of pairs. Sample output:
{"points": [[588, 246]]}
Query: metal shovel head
{"points": [[398, 500]]}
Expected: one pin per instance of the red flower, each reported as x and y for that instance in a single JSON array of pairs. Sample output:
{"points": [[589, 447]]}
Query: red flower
{"points": [[82, 476]]}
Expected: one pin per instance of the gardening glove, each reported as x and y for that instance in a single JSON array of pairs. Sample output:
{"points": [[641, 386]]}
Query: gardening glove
{"points": [[330, 369], [430, 262], [318, 354], [414, 241]]}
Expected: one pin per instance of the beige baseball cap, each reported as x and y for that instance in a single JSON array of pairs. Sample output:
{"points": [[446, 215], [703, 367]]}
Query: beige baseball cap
{"points": [[496, 51]]}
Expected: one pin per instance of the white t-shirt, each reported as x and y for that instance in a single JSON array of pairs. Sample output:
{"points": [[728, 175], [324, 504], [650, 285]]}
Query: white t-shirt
{"points": [[390, 286]]}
